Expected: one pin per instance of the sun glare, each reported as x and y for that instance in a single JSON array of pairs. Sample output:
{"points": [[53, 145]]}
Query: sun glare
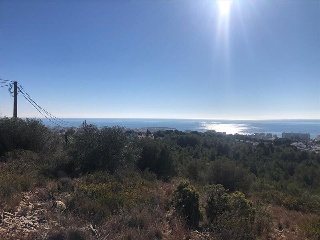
{"points": [[223, 26], [224, 7]]}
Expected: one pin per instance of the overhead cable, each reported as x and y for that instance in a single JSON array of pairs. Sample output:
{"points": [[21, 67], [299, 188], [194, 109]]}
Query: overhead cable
{"points": [[41, 110]]}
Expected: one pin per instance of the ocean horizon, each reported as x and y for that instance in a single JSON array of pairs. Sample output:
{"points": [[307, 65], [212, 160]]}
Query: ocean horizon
{"points": [[276, 127]]}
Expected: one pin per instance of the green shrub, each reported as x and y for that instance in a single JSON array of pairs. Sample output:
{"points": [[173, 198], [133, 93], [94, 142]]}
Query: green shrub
{"points": [[241, 207], [302, 201], [217, 202], [65, 185], [16, 177], [186, 203], [97, 201], [100, 195], [231, 215], [232, 177], [156, 158], [27, 134], [191, 140], [196, 170], [98, 149]]}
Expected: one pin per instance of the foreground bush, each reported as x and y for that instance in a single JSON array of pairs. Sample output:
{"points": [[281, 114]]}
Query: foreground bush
{"points": [[232, 215], [217, 202], [186, 203], [30, 134], [100, 195], [98, 149], [17, 175]]}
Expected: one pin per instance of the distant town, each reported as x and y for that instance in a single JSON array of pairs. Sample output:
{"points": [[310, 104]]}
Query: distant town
{"points": [[301, 141]]}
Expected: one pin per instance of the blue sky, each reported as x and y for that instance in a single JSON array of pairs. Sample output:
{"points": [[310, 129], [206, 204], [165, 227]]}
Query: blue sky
{"points": [[257, 59]]}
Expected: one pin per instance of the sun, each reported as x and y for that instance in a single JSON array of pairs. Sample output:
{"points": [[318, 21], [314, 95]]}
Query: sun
{"points": [[224, 7]]}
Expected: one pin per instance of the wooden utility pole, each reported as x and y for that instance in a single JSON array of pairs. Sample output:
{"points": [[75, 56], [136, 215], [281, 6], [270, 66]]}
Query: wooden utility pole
{"points": [[15, 99]]}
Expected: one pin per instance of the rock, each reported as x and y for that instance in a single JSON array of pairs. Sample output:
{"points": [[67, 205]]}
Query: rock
{"points": [[93, 231], [6, 214]]}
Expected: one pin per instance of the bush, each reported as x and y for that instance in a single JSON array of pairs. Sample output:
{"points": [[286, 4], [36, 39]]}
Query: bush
{"points": [[98, 149], [304, 201], [231, 176], [241, 207], [156, 158], [100, 195], [190, 140], [16, 177], [196, 170], [27, 134], [186, 203], [217, 202], [232, 214], [97, 201]]}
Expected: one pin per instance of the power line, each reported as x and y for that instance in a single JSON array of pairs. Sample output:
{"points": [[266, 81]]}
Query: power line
{"points": [[37, 108], [5, 80], [41, 110], [28, 96], [4, 83]]}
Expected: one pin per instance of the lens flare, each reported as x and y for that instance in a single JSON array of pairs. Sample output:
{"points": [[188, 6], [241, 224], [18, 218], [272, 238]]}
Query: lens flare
{"points": [[223, 29], [224, 7]]}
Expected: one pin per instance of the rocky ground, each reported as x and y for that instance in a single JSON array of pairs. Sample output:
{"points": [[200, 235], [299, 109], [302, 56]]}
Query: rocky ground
{"points": [[36, 218], [28, 218]]}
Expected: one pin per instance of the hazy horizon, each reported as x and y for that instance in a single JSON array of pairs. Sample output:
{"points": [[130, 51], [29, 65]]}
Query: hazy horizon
{"points": [[163, 118]]}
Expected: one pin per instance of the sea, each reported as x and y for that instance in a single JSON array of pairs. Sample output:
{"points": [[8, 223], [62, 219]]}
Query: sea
{"points": [[245, 127]]}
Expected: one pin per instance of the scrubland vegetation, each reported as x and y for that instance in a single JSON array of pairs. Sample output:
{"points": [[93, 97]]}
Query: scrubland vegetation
{"points": [[175, 186]]}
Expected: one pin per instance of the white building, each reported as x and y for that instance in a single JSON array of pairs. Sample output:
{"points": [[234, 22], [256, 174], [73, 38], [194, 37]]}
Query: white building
{"points": [[297, 136]]}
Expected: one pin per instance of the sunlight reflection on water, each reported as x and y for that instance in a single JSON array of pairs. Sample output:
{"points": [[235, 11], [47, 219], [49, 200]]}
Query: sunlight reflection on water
{"points": [[229, 128]]}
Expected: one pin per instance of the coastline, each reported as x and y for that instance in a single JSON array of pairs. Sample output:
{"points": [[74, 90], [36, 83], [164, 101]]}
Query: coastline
{"points": [[244, 127]]}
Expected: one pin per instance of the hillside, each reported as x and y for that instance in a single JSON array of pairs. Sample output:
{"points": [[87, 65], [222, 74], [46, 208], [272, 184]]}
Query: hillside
{"points": [[108, 183]]}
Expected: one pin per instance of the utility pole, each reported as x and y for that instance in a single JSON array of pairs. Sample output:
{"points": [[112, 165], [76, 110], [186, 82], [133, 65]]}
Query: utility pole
{"points": [[15, 99]]}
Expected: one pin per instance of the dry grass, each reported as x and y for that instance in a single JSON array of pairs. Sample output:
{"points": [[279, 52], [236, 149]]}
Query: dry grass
{"points": [[286, 224], [146, 214]]}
